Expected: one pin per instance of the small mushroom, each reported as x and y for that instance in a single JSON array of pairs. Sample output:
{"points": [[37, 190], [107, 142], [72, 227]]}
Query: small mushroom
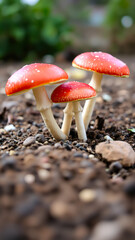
{"points": [[100, 63], [34, 76], [72, 93]]}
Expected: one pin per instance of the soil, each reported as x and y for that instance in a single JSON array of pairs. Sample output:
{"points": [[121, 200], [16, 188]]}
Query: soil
{"points": [[63, 190]]}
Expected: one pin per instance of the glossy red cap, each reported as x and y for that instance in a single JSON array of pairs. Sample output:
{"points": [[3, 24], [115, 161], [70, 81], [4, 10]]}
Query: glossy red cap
{"points": [[34, 75], [72, 91], [102, 63]]}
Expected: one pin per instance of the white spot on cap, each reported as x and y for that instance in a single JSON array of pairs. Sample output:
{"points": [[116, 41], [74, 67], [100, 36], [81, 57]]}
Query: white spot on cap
{"points": [[32, 81], [37, 70]]}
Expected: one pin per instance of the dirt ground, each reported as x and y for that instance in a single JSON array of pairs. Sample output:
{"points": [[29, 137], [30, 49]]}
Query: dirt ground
{"points": [[64, 190]]}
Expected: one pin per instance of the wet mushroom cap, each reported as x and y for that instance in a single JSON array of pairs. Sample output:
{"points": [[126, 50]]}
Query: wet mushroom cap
{"points": [[101, 62], [34, 75], [72, 91]]}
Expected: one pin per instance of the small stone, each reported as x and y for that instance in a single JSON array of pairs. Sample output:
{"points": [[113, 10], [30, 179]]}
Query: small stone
{"points": [[44, 148], [85, 164], [115, 167], [78, 154], [67, 175], [108, 138], [29, 178], [40, 138], [83, 144], [43, 174], [2, 131], [29, 159], [58, 145], [10, 127], [67, 146], [8, 162], [28, 141], [107, 231], [87, 195], [19, 133], [11, 152], [106, 97], [91, 156], [62, 210], [45, 165], [117, 151]]}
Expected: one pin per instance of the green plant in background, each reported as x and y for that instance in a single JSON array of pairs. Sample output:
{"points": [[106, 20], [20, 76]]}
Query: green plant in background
{"points": [[31, 31], [120, 23], [74, 10]]}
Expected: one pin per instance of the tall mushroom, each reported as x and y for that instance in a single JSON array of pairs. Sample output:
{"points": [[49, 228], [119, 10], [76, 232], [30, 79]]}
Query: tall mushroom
{"points": [[100, 63], [72, 93], [35, 76]]}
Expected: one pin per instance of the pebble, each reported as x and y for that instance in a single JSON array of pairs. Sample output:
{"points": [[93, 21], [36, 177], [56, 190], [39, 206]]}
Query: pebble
{"points": [[91, 156], [58, 145], [106, 231], [78, 154], [10, 127], [117, 151], [19, 133], [29, 178], [45, 165], [44, 148], [8, 162], [67, 146], [43, 174], [28, 141], [11, 152], [61, 210], [40, 138], [85, 164], [87, 195], [2, 131], [115, 167], [67, 175], [106, 97], [108, 138]]}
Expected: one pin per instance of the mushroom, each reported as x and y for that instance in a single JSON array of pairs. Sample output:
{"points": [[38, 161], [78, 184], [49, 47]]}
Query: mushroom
{"points": [[100, 63], [35, 76], [72, 93]]}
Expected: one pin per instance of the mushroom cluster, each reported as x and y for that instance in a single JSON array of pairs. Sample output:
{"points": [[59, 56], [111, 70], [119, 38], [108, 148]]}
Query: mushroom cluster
{"points": [[35, 76]]}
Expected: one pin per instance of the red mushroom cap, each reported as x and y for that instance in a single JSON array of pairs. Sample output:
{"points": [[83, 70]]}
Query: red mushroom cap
{"points": [[34, 75], [102, 63], [72, 91]]}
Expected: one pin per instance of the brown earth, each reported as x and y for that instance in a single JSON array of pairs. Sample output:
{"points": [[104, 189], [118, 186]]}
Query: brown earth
{"points": [[63, 190]]}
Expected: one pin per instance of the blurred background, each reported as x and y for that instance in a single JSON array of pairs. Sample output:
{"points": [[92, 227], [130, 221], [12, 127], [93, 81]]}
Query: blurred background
{"points": [[45, 30]]}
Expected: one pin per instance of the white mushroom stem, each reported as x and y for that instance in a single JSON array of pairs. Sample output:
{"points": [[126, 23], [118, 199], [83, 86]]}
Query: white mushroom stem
{"points": [[44, 106], [68, 114], [90, 104], [77, 109]]}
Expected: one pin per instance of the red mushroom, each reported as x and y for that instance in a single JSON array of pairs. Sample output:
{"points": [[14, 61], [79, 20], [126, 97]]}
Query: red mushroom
{"points": [[35, 76], [73, 92], [100, 63]]}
